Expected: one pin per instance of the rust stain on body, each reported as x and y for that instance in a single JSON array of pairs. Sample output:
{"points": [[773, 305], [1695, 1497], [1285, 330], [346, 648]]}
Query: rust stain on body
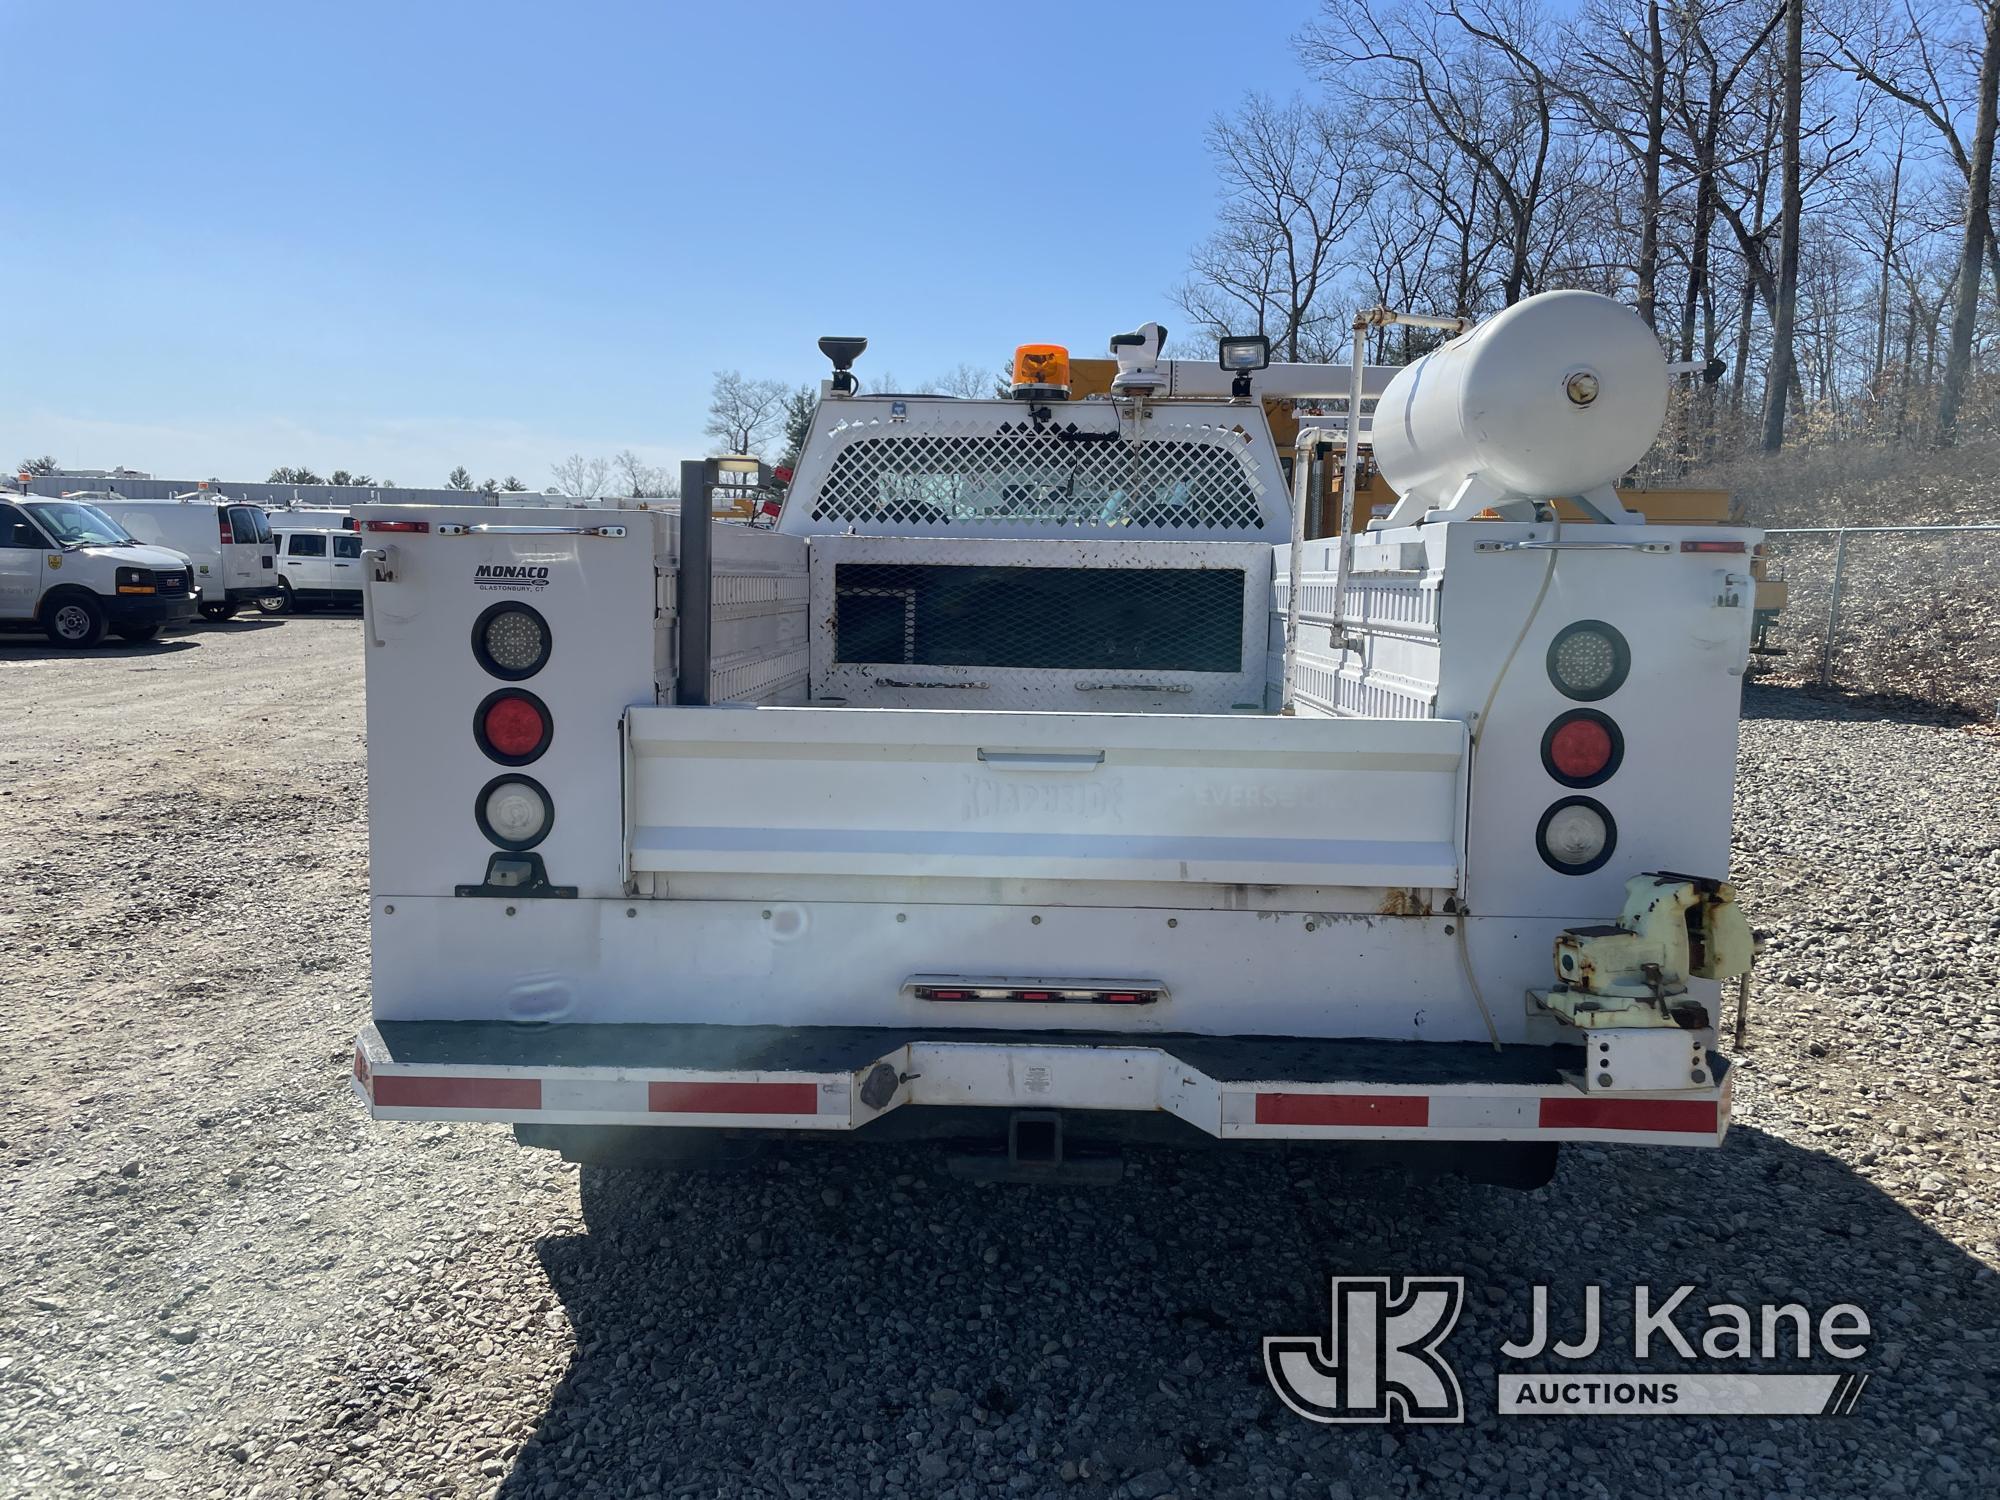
{"points": [[1399, 901]]}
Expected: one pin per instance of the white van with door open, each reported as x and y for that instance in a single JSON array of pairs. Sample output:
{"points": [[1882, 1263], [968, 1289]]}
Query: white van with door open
{"points": [[70, 570], [228, 542]]}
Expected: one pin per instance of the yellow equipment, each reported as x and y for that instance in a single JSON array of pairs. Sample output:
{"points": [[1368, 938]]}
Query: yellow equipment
{"points": [[1635, 973]]}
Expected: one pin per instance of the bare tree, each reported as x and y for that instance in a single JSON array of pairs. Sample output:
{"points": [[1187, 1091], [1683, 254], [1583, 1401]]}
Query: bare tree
{"points": [[38, 467], [964, 379], [1620, 89], [1919, 54], [460, 478], [1294, 183], [1799, 194], [581, 478], [639, 480], [1778, 381], [1721, 41], [1476, 70], [1978, 230], [745, 414]]}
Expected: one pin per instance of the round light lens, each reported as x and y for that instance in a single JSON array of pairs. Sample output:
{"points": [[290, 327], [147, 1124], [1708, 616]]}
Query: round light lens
{"points": [[514, 812], [512, 726], [1582, 748], [1576, 836], [511, 641], [1588, 660]]}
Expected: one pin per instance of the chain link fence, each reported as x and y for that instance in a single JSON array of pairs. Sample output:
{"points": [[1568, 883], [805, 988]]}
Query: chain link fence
{"points": [[1900, 611]]}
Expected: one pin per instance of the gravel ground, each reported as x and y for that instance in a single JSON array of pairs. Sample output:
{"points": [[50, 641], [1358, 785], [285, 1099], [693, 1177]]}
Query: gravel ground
{"points": [[217, 1278]]}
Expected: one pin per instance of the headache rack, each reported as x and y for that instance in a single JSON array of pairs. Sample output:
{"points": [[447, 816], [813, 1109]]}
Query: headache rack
{"points": [[929, 468]]}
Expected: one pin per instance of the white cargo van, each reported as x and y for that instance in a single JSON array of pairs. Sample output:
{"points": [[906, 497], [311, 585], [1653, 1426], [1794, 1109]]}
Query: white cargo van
{"points": [[319, 561], [72, 571], [228, 542]]}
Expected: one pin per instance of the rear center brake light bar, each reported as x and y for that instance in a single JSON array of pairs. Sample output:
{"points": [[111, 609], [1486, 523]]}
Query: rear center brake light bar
{"points": [[951, 988], [398, 525]]}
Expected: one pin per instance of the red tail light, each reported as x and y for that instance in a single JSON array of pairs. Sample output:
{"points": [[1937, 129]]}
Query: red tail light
{"points": [[399, 526], [222, 524], [513, 726], [1582, 748]]}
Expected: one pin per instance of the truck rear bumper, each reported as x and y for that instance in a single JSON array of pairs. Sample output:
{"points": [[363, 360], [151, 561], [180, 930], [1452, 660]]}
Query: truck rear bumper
{"points": [[826, 1078]]}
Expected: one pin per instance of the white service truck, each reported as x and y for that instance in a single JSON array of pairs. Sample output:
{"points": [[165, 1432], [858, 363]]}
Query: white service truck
{"points": [[1030, 784]]}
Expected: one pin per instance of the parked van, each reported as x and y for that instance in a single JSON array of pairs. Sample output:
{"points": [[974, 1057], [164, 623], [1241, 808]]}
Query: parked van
{"points": [[316, 566], [228, 542], [72, 570]]}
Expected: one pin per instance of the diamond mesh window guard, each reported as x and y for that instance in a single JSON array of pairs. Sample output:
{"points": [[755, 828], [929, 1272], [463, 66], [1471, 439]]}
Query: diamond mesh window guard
{"points": [[1062, 619], [1062, 475]]}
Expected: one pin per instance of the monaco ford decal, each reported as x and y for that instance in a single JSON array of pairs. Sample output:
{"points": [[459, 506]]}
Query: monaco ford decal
{"points": [[514, 577]]}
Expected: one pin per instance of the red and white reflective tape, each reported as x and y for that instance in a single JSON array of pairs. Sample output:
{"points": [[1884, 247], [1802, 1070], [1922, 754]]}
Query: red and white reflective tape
{"points": [[994, 1075], [598, 1095], [1474, 1114]]}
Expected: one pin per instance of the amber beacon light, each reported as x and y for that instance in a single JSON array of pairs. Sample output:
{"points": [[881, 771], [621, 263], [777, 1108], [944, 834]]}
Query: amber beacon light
{"points": [[1041, 372]]}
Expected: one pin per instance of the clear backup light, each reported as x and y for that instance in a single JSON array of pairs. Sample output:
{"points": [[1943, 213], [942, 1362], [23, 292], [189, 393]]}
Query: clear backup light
{"points": [[511, 641], [1588, 660], [1576, 836], [515, 812]]}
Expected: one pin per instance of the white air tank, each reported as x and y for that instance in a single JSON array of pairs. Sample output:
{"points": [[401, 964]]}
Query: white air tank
{"points": [[1555, 396]]}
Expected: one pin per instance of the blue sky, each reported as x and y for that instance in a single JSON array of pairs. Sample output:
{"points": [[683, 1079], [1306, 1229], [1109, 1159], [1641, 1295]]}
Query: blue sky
{"points": [[395, 238]]}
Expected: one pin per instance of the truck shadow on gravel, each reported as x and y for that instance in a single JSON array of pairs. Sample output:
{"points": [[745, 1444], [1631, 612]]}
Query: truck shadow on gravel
{"points": [[1766, 700], [859, 1323], [38, 648]]}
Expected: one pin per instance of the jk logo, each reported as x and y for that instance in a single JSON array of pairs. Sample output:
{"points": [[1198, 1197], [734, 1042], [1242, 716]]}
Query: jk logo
{"points": [[1379, 1362]]}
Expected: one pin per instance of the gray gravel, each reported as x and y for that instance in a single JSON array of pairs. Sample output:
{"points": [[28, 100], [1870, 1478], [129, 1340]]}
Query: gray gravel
{"points": [[217, 1278]]}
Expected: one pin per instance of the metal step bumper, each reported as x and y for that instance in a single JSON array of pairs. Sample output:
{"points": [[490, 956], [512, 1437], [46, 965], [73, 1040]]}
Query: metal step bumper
{"points": [[844, 1078]]}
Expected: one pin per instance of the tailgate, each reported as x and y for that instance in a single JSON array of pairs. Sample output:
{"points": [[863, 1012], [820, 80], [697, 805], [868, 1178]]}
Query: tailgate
{"points": [[1044, 796]]}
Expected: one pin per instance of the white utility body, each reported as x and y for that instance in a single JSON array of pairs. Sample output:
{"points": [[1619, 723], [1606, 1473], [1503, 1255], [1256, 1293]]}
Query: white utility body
{"points": [[1008, 797]]}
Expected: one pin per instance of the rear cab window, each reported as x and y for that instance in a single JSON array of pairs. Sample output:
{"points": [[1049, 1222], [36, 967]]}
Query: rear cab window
{"points": [[346, 544], [307, 544]]}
